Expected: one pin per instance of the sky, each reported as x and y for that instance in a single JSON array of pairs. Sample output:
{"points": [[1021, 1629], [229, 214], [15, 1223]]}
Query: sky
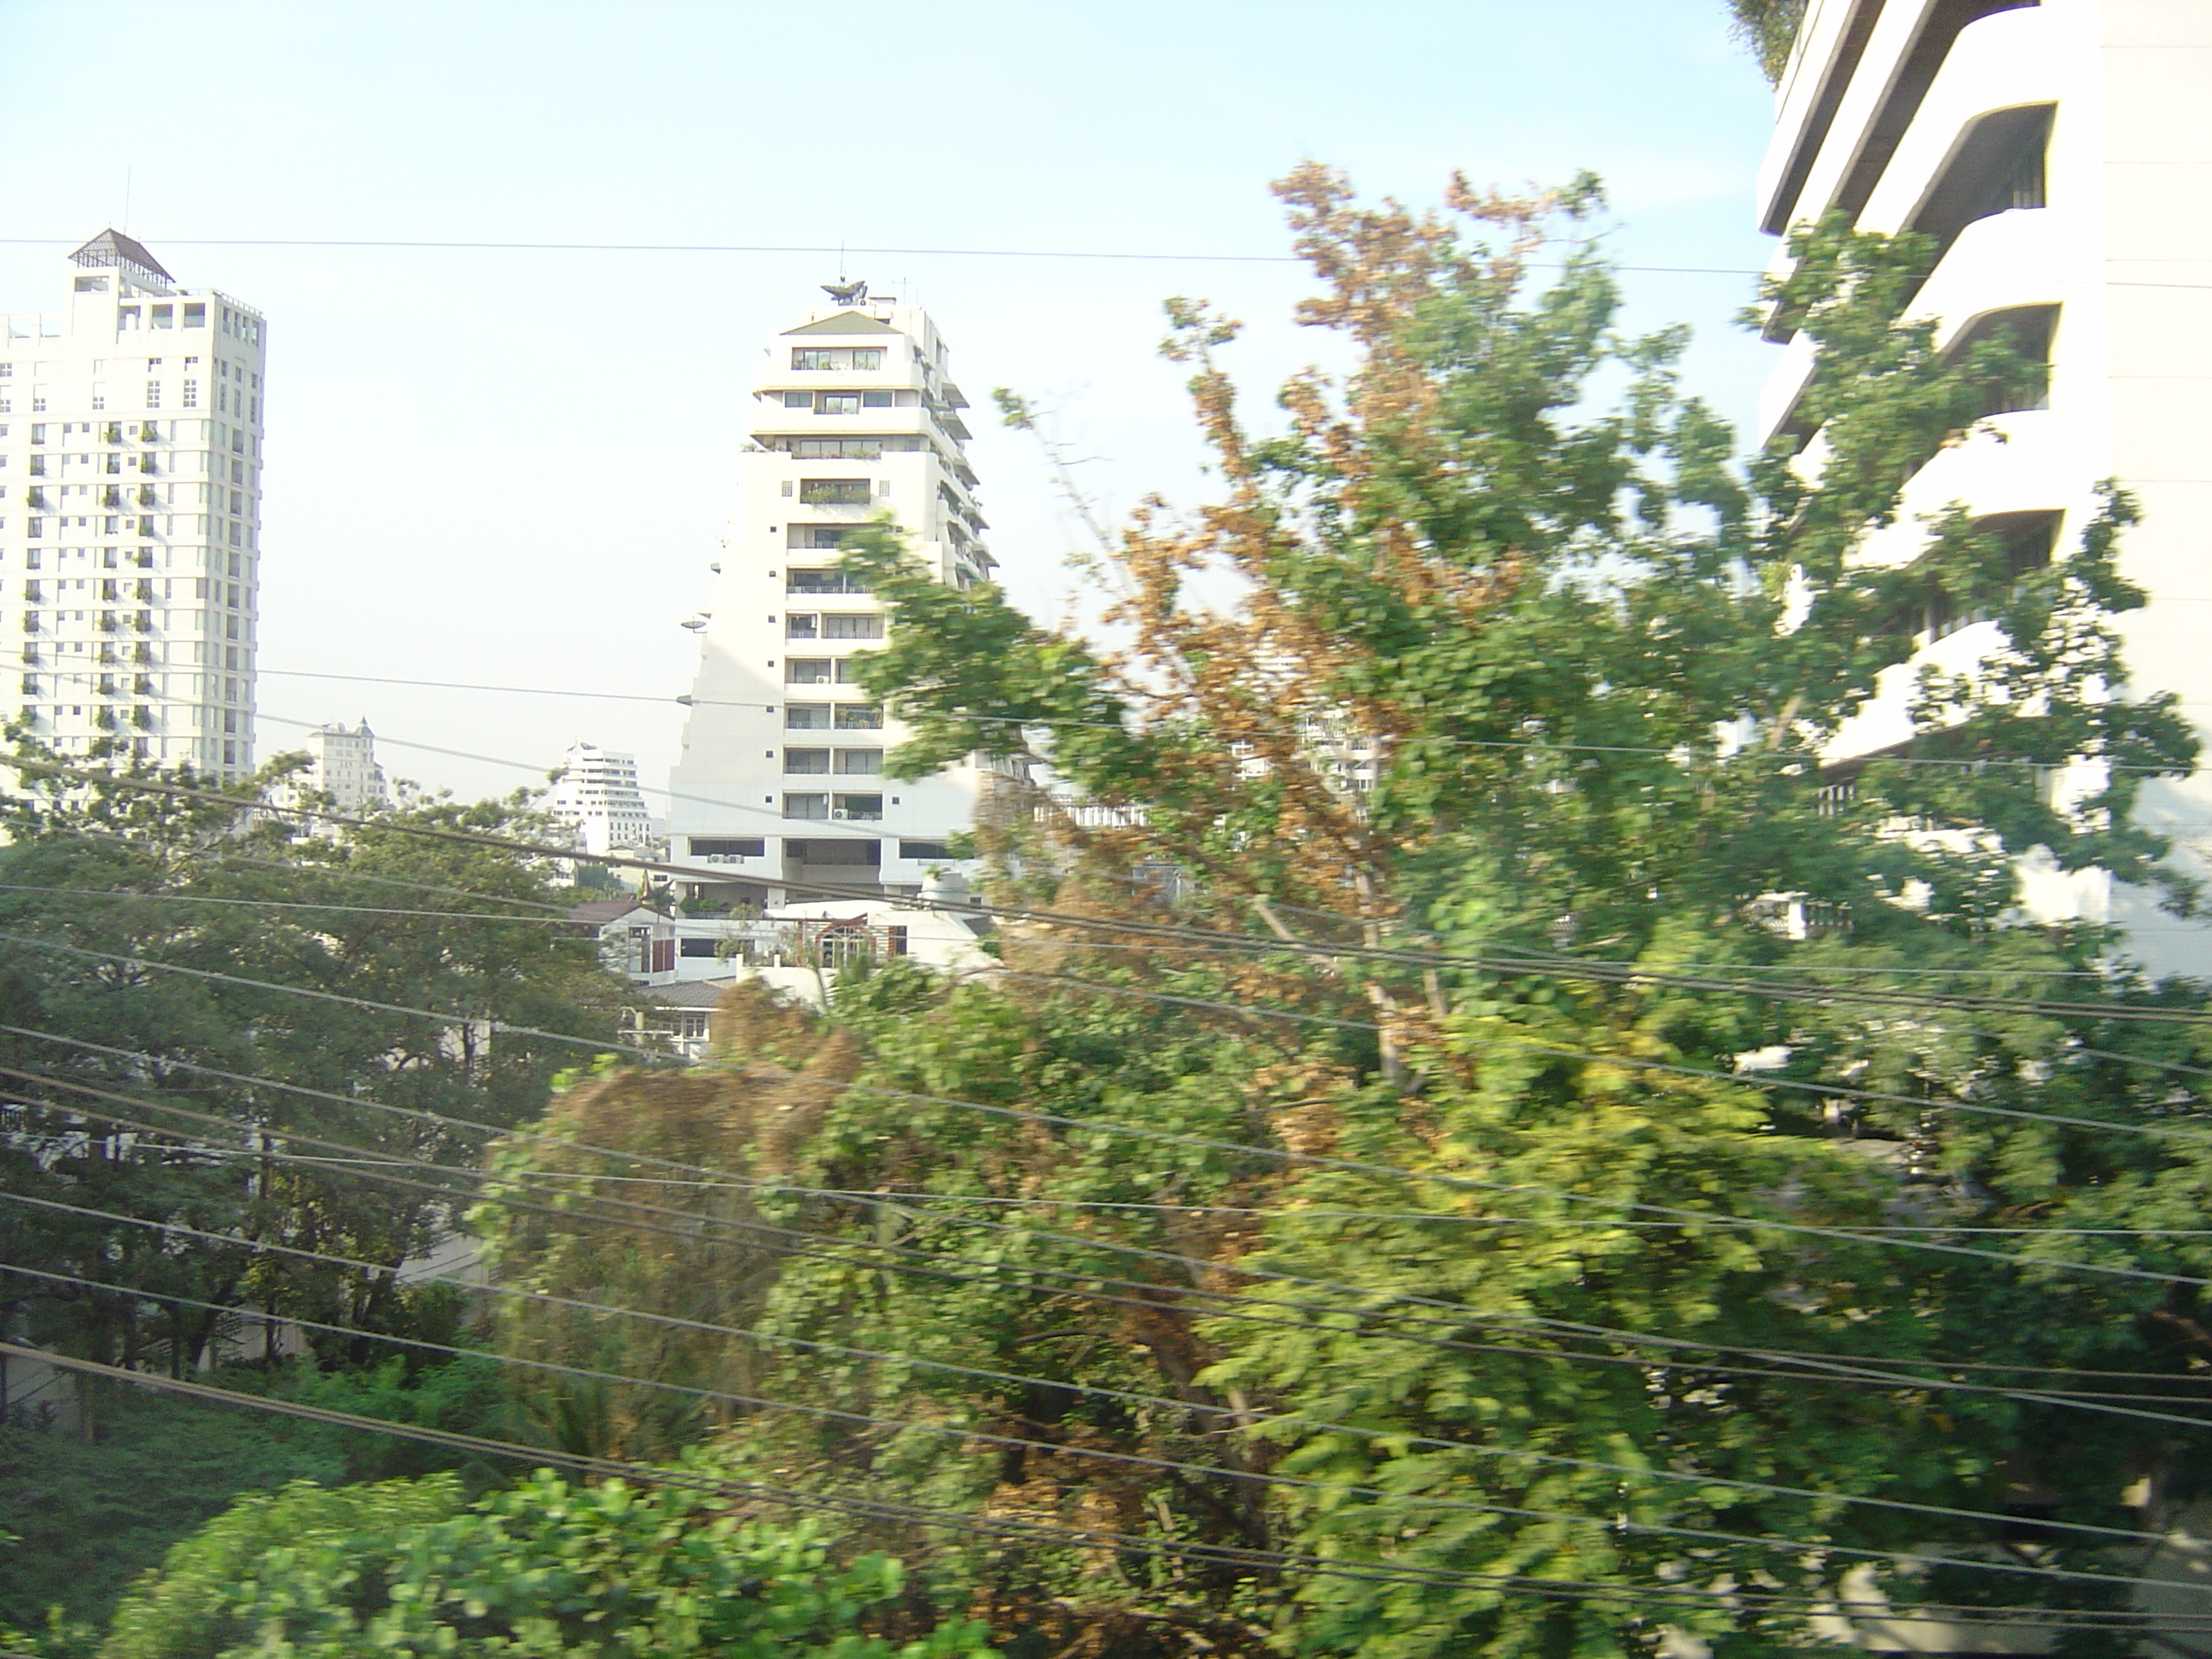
{"points": [[512, 467]]}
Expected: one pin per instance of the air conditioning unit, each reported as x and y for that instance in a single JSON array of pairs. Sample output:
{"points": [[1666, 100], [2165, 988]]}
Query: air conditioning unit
{"points": [[840, 812]]}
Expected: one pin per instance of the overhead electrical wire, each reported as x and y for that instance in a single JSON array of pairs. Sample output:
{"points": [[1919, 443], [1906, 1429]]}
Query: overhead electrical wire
{"points": [[1465, 1181], [1395, 1438], [1825, 1368], [1638, 975], [1069, 1449], [1837, 1605]]}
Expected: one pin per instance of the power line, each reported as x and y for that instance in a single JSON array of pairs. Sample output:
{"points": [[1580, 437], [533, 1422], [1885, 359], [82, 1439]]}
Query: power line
{"points": [[603, 1046], [1750, 1080], [1394, 1437], [653, 1474], [986, 1437], [1829, 1368], [1640, 974], [277, 904]]}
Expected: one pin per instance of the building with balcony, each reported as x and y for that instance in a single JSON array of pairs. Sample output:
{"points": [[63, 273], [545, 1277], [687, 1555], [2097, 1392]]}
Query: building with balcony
{"points": [[131, 432], [342, 766], [781, 775], [596, 794], [2060, 156]]}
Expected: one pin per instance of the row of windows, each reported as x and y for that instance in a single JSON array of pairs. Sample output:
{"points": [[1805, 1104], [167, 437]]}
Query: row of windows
{"points": [[821, 581], [849, 762], [869, 447], [825, 357], [819, 671], [114, 558], [866, 808], [846, 403], [755, 847], [838, 492], [832, 625], [832, 717], [188, 396]]}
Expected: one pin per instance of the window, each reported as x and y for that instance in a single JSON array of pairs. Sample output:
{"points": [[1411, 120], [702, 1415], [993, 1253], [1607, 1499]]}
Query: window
{"points": [[806, 716], [806, 760], [833, 492], [802, 627], [798, 400], [191, 398], [162, 316], [837, 403], [696, 947], [91, 285], [845, 666], [860, 717], [812, 358], [797, 671], [857, 806], [852, 628], [153, 394], [878, 400], [861, 762], [820, 582], [807, 806], [922, 849], [817, 534], [2027, 330]]}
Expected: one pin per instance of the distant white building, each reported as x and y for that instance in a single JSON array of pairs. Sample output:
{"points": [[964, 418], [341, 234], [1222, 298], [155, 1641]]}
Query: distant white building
{"points": [[782, 776], [2059, 155], [596, 795], [131, 423], [343, 766]]}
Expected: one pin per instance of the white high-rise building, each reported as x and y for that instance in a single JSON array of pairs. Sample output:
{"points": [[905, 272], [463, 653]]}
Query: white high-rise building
{"points": [[341, 764], [781, 773], [596, 794], [2060, 155], [130, 430]]}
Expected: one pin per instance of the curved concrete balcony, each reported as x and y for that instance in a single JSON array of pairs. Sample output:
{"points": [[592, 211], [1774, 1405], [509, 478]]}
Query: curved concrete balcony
{"points": [[2004, 61], [2008, 259]]}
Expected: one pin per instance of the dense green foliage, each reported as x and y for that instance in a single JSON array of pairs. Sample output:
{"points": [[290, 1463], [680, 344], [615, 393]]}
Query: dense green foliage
{"points": [[89, 1509], [1530, 1262], [141, 878], [1769, 28], [1597, 664], [545, 1568]]}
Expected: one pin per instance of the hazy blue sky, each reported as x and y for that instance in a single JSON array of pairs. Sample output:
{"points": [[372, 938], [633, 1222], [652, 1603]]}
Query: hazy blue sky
{"points": [[513, 467]]}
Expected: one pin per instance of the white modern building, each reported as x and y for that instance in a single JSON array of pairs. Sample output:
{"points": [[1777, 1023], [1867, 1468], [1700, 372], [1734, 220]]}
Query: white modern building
{"points": [[2060, 155], [596, 794], [855, 415], [131, 432], [341, 764]]}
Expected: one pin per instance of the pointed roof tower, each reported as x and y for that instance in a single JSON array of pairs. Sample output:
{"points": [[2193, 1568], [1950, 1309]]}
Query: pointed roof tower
{"points": [[112, 248]]}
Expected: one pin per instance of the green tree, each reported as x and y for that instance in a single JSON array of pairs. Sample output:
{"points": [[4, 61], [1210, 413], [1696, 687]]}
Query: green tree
{"points": [[547, 1568], [1478, 657]]}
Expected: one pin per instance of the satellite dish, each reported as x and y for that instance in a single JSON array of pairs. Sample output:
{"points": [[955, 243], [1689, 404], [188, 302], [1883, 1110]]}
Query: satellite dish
{"points": [[846, 294]]}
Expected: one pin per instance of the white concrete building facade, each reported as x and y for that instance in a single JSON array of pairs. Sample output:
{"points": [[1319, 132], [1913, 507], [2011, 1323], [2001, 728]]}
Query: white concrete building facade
{"points": [[780, 776], [343, 765], [596, 794], [130, 433], [2061, 155]]}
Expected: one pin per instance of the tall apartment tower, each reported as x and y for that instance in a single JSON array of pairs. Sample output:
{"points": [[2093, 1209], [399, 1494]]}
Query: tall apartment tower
{"points": [[131, 427], [2060, 155], [595, 793], [781, 771]]}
